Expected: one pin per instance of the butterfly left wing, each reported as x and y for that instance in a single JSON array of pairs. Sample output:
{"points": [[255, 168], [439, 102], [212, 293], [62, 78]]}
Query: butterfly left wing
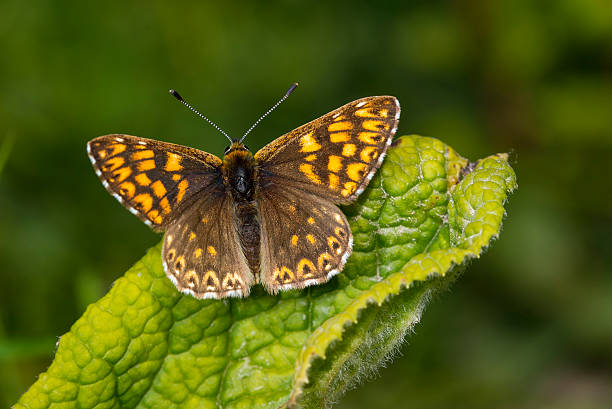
{"points": [[153, 180], [202, 255], [336, 155], [306, 239]]}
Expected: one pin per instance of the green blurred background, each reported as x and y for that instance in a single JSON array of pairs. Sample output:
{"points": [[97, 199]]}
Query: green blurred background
{"points": [[528, 325]]}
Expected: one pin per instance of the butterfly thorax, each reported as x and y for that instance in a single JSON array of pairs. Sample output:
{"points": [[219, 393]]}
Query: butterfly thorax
{"points": [[240, 179], [239, 172]]}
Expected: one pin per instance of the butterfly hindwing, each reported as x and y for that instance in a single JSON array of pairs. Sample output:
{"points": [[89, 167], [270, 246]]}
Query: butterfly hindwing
{"points": [[336, 155], [306, 240], [154, 180], [202, 255]]}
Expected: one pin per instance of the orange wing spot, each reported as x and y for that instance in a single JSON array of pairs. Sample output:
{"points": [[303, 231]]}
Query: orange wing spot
{"points": [[287, 274], [205, 219], [324, 262], [334, 244], [182, 188], [372, 138], [158, 188], [171, 254], [383, 113], [340, 126], [349, 150], [143, 179], [339, 137], [146, 165], [335, 163], [117, 148], [310, 158], [311, 220], [211, 280], [192, 236], [180, 263], [292, 208], [211, 250], [375, 125], [113, 163], [308, 171], [144, 202], [308, 143], [239, 281], [305, 268], [340, 232], [368, 154], [102, 154], [349, 188], [122, 174], [334, 181], [311, 238], [356, 171], [192, 279], [148, 154], [294, 240], [127, 189], [284, 275], [365, 113], [340, 118], [230, 282], [154, 216], [197, 253], [174, 162], [338, 219], [165, 205], [176, 177]]}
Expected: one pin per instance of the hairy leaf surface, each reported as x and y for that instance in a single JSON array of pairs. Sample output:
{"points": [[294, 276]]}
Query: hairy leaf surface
{"points": [[144, 345]]}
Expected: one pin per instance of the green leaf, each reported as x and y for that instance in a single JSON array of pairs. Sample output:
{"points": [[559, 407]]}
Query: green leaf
{"points": [[145, 345]]}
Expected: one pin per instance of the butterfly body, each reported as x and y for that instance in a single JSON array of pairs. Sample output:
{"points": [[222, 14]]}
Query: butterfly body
{"points": [[240, 180], [269, 218]]}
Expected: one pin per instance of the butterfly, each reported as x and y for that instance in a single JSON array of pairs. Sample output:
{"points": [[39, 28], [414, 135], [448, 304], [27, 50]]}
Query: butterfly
{"points": [[269, 218]]}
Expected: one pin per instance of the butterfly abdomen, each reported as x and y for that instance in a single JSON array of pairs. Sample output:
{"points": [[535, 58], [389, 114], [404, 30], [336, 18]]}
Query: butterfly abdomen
{"points": [[240, 179], [248, 230]]}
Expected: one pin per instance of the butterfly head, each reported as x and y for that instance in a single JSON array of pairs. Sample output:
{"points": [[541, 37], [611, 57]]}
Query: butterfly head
{"points": [[235, 147]]}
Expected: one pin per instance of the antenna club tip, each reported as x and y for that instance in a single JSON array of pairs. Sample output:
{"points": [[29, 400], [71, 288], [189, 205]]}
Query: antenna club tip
{"points": [[291, 89], [176, 95]]}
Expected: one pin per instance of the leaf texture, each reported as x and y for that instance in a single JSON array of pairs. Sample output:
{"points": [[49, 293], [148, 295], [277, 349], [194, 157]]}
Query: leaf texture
{"points": [[144, 345]]}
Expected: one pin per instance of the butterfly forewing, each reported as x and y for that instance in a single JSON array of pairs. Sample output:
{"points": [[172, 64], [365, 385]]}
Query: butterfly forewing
{"points": [[154, 180], [336, 155], [305, 239], [202, 254]]}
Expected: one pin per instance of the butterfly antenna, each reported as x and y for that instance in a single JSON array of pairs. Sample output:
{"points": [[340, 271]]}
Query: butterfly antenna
{"points": [[289, 91], [182, 101]]}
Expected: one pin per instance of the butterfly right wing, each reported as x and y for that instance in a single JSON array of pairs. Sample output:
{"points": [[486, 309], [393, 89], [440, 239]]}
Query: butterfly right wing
{"points": [[202, 254], [306, 239], [336, 155]]}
